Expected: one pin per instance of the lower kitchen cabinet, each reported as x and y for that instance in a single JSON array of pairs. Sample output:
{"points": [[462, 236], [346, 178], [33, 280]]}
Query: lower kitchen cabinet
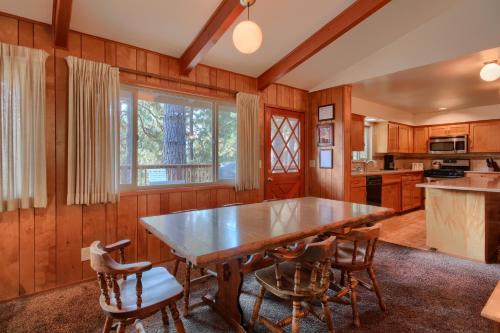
{"points": [[391, 196], [412, 195], [358, 194]]}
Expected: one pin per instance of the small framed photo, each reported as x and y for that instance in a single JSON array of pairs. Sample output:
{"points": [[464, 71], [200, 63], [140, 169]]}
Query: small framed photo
{"points": [[325, 135], [326, 112], [326, 158]]}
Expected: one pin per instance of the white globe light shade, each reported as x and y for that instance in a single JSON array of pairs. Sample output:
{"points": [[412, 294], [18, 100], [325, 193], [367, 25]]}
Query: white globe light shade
{"points": [[490, 72], [247, 37]]}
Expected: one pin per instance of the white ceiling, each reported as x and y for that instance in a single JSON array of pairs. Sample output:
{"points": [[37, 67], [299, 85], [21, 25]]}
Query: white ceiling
{"points": [[403, 34], [453, 84]]}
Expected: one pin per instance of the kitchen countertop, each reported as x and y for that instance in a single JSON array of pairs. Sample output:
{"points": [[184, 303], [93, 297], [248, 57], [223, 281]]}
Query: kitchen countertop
{"points": [[485, 172], [383, 172], [476, 184]]}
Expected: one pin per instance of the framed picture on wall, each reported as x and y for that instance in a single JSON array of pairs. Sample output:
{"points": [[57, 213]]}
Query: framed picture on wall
{"points": [[325, 135], [326, 112], [326, 158]]}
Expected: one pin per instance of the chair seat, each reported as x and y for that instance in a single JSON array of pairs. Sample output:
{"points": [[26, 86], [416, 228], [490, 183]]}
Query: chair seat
{"points": [[267, 278], [345, 251], [158, 286]]}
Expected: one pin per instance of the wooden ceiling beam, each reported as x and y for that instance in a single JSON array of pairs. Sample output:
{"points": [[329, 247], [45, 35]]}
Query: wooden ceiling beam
{"points": [[342, 23], [61, 16], [222, 18]]}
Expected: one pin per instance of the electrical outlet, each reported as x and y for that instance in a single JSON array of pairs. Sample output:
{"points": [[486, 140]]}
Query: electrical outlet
{"points": [[85, 253]]}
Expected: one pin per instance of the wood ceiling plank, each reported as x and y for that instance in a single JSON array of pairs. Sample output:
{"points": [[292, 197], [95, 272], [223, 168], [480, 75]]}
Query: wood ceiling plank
{"points": [[342, 23], [61, 16], [222, 18]]}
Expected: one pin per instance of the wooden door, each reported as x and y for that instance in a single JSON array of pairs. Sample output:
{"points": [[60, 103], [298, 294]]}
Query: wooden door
{"points": [[284, 154], [484, 137], [392, 138], [420, 137]]}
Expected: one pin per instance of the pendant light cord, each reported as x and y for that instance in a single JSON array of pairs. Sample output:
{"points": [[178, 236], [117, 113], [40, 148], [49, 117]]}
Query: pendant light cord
{"points": [[248, 12]]}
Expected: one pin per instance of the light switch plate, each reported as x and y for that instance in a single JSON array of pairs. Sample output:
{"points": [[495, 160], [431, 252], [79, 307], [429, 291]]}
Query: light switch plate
{"points": [[85, 254]]}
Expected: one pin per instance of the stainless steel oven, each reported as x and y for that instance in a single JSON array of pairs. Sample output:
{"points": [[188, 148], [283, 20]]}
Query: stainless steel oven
{"points": [[448, 144]]}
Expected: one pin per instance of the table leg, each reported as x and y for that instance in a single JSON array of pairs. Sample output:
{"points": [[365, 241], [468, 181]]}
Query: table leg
{"points": [[227, 300]]}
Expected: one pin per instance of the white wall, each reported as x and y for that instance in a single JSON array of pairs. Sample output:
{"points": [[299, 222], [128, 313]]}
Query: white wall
{"points": [[376, 110], [464, 115]]}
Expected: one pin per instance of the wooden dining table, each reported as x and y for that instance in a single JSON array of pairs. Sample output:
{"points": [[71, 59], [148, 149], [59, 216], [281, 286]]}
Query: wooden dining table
{"points": [[226, 237]]}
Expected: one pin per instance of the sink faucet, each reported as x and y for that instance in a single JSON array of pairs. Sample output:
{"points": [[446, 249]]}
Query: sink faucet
{"points": [[368, 162]]}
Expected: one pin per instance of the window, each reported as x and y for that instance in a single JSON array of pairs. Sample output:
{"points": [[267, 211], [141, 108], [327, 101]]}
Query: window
{"points": [[178, 139], [365, 155]]}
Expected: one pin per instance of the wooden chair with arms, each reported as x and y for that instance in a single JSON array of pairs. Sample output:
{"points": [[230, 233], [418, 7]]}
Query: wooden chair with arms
{"points": [[354, 252], [301, 275], [133, 291]]}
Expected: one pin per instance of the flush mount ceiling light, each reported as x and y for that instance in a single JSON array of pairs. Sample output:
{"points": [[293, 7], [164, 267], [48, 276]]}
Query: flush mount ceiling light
{"points": [[247, 36], [442, 109], [490, 71]]}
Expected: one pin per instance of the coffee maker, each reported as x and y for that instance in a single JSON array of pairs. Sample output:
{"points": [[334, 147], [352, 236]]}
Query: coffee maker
{"points": [[389, 162]]}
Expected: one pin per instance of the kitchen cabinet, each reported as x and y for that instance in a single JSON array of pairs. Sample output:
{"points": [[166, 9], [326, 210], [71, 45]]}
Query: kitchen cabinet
{"points": [[405, 139], [420, 138], [449, 130], [357, 132], [358, 189], [392, 138], [391, 196], [391, 191], [411, 194], [484, 137]]}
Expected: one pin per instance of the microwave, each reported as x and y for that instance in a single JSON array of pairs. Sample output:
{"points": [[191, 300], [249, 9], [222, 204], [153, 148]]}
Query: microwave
{"points": [[448, 144]]}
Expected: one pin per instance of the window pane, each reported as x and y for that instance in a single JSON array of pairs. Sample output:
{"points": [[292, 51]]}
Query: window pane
{"points": [[227, 142], [174, 139], [126, 136]]}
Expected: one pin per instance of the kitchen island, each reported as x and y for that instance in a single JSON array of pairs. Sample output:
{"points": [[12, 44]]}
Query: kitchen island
{"points": [[463, 217]]}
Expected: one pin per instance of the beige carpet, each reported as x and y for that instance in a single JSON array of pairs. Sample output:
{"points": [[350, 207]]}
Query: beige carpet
{"points": [[424, 292]]}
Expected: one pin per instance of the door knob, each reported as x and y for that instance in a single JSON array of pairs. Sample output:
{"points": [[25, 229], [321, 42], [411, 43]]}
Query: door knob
{"points": [[269, 179]]}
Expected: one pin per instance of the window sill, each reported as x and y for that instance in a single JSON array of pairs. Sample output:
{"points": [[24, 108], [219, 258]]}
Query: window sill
{"points": [[176, 188]]}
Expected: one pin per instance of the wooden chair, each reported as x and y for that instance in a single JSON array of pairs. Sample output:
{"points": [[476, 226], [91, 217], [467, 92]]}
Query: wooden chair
{"points": [[354, 252], [128, 299], [299, 275], [187, 274]]}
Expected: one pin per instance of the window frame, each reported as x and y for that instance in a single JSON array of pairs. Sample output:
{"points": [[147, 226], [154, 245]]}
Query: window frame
{"points": [[215, 102]]}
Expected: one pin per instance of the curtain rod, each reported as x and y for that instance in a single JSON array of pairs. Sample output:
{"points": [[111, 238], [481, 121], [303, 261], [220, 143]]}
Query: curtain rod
{"points": [[177, 80]]}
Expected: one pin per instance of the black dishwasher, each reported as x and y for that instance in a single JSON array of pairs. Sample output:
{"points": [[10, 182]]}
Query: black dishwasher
{"points": [[374, 190]]}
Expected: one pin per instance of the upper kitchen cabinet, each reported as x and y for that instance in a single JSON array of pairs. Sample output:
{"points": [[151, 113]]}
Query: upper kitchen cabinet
{"points": [[392, 138], [449, 130], [483, 137], [420, 138], [357, 132]]}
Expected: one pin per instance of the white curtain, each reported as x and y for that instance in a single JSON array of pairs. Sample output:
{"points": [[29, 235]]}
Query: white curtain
{"points": [[93, 132], [23, 182], [247, 174]]}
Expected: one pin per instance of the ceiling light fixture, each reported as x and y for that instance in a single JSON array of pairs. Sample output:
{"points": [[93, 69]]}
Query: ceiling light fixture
{"points": [[442, 109], [247, 36], [490, 71]]}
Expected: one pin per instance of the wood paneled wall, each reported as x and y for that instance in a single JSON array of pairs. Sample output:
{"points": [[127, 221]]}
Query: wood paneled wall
{"points": [[40, 249], [332, 183]]}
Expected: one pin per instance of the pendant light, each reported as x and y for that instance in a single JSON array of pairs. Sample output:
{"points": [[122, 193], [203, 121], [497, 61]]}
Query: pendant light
{"points": [[490, 71], [247, 36]]}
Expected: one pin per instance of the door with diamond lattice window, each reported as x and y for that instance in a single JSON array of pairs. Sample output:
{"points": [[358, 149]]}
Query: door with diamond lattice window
{"points": [[284, 151]]}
